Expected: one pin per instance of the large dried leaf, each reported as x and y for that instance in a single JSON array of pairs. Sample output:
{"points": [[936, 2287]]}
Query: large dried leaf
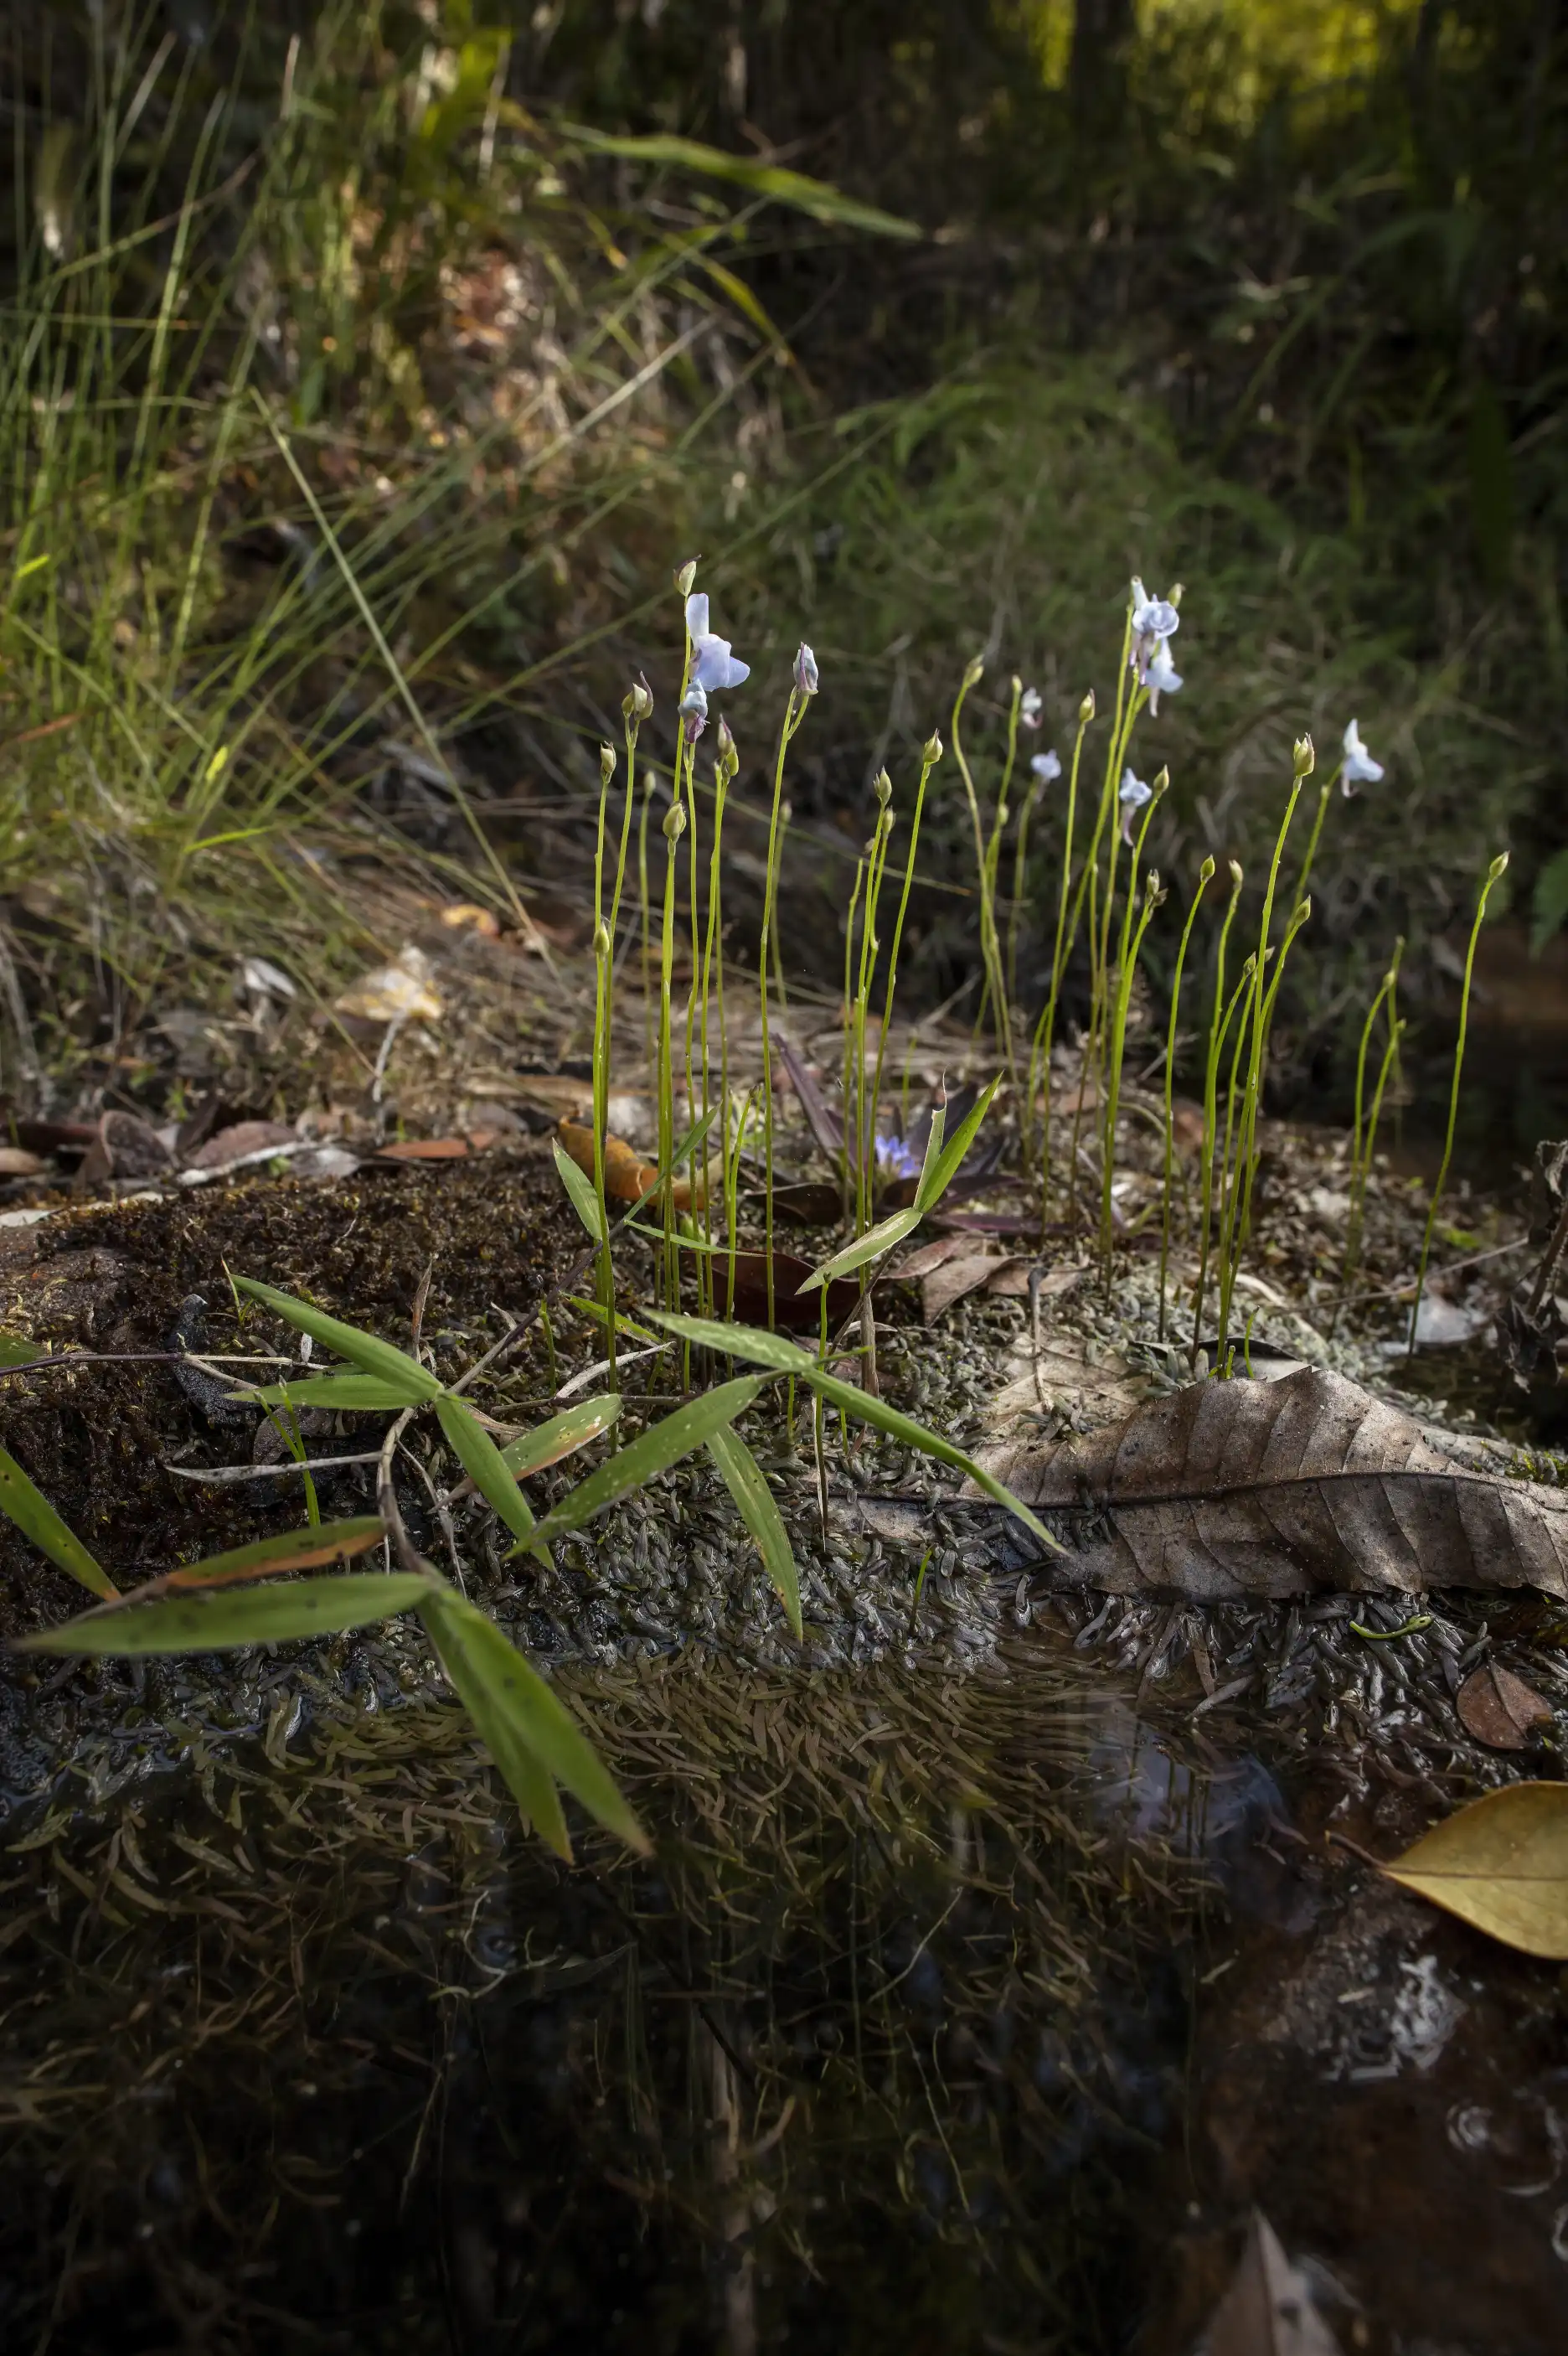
{"points": [[1499, 1709], [1251, 1488], [1501, 1864]]}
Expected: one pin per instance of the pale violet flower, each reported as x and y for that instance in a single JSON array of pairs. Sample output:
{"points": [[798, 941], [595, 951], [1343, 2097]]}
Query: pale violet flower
{"points": [[804, 671], [1132, 797], [693, 709], [897, 1157], [1358, 767], [1046, 768], [1160, 675], [713, 667], [1030, 706], [1153, 617]]}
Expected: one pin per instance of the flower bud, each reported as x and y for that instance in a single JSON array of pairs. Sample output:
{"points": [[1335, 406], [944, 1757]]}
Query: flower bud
{"points": [[1175, 594], [694, 702], [931, 751], [882, 786], [1002, 814], [650, 779], [1151, 885], [1302, 913], [637, 703], [1161, 783], [1086, 710], [1235, 874], [1498, 866], [601, 940], [684, 577], [1303, 758], [805, 671], [674, 823], [1206, 873], [786, 811], [724, 744], [973, 671], [606, 763]]}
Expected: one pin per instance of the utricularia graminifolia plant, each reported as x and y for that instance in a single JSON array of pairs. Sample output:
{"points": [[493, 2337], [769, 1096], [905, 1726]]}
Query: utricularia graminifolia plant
{"points": [[1106, 895]]}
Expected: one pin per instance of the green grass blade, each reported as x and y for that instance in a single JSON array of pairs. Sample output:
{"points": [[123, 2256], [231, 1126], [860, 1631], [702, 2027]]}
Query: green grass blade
{"points": [[290, 1550], [25, 1504], [223, 1624], [748, 1485], [518, 1714], [870, 1246], [530, 1782], [934, 1183], [932, 1154], [549, 1443], [414, 1383], [15, 1352], [347, 1391], [654, 1451], [579, 1187], [787, 1357], [802, 194], [486, 1466], [774, 1349]]}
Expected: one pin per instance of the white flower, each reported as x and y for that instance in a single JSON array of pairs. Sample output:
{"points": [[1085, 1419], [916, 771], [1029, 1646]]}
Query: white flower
{"points": [[713, 667], [1160, 675], [1029, 705], [1358, 767], [1132, 797], [1153, 617], [1046, 768], [806, 679]]}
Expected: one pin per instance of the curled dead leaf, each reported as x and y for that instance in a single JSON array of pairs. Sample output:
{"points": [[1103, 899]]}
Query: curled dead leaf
{"points": [[463, 916], [1499, 1708], [627, 1177], [1501, 1864]]}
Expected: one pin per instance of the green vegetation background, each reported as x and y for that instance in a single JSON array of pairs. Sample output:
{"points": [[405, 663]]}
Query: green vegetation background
{"points": [[367, 368]]}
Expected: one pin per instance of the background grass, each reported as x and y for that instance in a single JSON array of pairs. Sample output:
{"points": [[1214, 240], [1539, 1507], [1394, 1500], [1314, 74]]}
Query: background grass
{"points": [[367, 370]]}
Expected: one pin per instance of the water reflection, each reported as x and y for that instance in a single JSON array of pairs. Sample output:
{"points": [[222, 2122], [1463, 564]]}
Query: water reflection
{"points": [[875, 2056]]}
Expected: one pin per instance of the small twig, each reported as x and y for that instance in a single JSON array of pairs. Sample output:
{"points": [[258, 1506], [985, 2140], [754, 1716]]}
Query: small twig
{"points": [[448, 1530], [1343, 1841], [1552, 1254], [387, 1504], [229, 1473]]}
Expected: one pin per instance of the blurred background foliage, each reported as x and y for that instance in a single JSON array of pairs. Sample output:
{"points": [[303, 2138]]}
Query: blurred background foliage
{"points": [[367, 368]]}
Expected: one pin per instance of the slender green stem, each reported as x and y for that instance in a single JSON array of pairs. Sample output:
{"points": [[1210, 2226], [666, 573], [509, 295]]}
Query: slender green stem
{"points": [[930, 756], [794, 712], [1494, 874], [1153, 895], [1219, 1019], [1045, 1029], [1205, 877], [994, 985]]}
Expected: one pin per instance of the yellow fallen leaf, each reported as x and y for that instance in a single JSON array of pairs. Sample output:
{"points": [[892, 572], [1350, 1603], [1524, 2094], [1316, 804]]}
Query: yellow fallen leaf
{"points": [[627, 1176], [1501, 1864], [404, 992]]}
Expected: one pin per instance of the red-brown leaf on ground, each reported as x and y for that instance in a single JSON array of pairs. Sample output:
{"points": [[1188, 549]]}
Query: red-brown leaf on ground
{"points": [[1499, 1708]]}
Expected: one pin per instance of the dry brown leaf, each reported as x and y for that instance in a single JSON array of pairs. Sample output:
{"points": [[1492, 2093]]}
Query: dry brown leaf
{"points": [[245, 1136], [1010, 1281], [1238, 1488], [1499, 1708], [424, 1149], [1501, 1864], [952, 1279], [15, 1161], [926, 1256], [1268, 2309]]}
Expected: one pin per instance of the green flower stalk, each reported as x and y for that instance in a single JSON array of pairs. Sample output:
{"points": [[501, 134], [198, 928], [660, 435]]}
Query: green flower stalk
{"points": [[1205, 877], [1153, 898], [674, 828], [1045, 1029], [1219, 1022], [995, 983], [931, 752], [802, 690], [604, 969], [1495, 874], [1363, 1141]]}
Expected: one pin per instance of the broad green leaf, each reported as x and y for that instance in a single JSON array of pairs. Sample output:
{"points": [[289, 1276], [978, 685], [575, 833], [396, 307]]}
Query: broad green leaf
{"points": [[549, 1443], [15, 1352], [934, 1182], [414, 1382], [25, 1504], [816, 197], [222, 1623], [581, 1189], [664, 1443], [486, 1466], [530, 1782], [787, 1357], [290, 1550], [748, 1485], [346, 1392], [1501, 1864], [508, 1699], [870, 1246]]}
